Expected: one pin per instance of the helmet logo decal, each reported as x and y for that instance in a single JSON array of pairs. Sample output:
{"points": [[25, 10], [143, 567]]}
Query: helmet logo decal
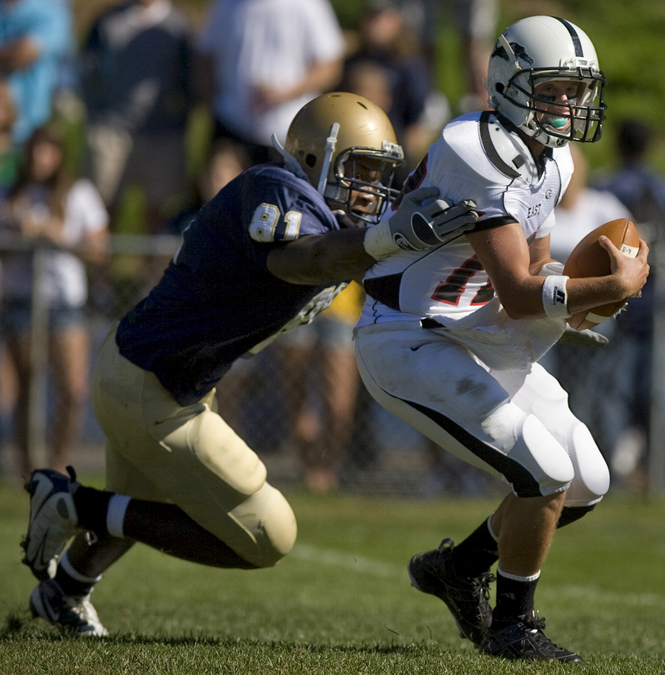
{"points": [[518, 50], [521, 53]]}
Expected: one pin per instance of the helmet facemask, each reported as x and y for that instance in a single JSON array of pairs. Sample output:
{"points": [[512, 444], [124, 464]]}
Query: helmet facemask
{"points": [[345, 146], [578, 120], [362, 181]]}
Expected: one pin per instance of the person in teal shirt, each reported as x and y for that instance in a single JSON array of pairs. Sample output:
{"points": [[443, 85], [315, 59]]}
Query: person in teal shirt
{"points": [[35, 38]]}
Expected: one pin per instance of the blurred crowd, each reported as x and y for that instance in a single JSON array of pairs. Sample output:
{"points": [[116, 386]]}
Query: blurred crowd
{"points": [[147, 106]]}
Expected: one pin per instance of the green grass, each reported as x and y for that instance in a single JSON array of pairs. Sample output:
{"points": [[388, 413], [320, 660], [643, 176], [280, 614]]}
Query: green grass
{"points": [[341, 602]]}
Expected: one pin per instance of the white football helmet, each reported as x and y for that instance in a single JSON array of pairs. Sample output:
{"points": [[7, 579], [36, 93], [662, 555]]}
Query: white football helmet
{"points": [[343, 143], [534, 51]]}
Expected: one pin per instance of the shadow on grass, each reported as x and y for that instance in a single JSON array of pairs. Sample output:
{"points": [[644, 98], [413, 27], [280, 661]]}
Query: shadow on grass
{"points": [[21, 627]]}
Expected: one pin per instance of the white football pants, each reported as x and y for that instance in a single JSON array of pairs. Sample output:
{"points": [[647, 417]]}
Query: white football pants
{"points": [[514, 424]]}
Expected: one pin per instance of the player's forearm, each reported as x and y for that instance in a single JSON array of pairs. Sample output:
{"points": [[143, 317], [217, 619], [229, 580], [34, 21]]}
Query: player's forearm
{"points": [[318, 259], [584, 294], [524, 299]]}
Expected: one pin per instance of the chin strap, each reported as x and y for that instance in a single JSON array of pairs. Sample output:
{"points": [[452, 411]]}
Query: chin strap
{"points": [[290, 162]]}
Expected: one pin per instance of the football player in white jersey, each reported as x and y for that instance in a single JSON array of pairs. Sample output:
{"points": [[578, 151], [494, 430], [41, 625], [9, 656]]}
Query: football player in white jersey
{"points": [[267, 253], [450, 336]]}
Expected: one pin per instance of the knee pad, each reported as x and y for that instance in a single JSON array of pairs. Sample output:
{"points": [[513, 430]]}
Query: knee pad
{"points": [[543, 457], [592, 476], [271, 521]]}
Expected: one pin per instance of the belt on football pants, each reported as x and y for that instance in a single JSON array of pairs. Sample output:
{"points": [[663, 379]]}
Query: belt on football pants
{"points": [[386, 290]]}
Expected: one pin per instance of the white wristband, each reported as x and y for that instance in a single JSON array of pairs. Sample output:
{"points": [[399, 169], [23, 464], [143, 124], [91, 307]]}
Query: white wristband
{"points": [[555, 297], [378, 241]]}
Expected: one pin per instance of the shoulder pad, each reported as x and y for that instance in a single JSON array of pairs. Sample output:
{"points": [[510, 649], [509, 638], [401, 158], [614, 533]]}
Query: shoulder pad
{"points": [[506, 150]]}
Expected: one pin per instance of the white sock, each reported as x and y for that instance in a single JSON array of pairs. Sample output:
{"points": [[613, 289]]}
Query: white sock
{"points": [[514, 577], [77, 576], [115, 515]]}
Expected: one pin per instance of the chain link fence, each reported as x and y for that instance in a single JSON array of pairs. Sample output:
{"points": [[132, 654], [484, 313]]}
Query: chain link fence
{"points": [[303, 409]]}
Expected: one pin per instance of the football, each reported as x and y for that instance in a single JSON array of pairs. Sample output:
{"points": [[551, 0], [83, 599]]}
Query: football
{"points": [[590, 259]]}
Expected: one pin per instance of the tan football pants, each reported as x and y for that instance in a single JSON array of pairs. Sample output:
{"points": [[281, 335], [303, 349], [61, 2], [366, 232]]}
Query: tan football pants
{"points": [[160, 451]]}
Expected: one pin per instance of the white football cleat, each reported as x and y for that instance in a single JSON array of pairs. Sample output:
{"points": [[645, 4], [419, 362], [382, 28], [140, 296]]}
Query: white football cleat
{"points": [[53, 519], [49, 602]]}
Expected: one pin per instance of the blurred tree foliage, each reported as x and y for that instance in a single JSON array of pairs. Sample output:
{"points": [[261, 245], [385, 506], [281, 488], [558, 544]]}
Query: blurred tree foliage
{"points": [[630, 41]]}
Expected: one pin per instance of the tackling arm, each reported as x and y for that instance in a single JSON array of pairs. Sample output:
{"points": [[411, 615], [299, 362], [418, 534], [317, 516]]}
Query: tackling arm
{"points": [[346, 254], [321, 258]]}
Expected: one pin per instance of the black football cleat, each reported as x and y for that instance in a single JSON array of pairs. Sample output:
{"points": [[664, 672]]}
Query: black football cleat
{"points": [[466, 598], [525, 640]]}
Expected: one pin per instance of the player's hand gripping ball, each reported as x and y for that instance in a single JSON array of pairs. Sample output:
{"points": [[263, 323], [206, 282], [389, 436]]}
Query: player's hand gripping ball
{"points": [[590, 259]]}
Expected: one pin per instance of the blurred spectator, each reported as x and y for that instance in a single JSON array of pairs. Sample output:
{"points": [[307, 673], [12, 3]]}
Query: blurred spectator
{"points": [[35, 37], [475, 24], [9, 152], [635, 183], [226, 160], [389, 68], [321, 387], [135, 71], [262, 60], [642, 191], [9, 163], [46, 204]]}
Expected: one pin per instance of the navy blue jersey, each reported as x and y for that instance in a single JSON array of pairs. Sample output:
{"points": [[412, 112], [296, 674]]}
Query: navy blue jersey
{"points": [[217, 300]]}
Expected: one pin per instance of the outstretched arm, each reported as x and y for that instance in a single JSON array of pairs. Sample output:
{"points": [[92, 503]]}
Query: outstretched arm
{"points": [[320, 258], [342, 255]]}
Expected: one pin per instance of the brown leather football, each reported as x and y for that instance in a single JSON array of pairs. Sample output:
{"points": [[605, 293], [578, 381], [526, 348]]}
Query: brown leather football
{"points": [[590, 259]]}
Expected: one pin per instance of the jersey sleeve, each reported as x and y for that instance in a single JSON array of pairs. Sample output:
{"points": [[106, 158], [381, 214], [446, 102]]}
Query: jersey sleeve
{"points": [[264, 207], [279, 210], [547, 227]]}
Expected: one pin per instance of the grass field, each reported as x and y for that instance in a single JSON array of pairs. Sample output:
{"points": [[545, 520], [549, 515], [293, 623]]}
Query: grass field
{"points": [[341, 603]]}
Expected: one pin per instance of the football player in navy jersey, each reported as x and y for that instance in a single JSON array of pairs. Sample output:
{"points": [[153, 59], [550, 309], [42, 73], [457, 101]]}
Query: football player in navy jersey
{"points": [[266, 254], [449, 338]]}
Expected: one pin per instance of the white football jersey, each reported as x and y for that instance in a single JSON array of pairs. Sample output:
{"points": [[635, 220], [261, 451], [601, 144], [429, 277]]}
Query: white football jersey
{"points": [[476, 158]]}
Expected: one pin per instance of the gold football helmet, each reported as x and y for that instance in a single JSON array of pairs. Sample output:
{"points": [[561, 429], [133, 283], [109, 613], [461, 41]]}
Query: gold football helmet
{"points": [[344, 143]]}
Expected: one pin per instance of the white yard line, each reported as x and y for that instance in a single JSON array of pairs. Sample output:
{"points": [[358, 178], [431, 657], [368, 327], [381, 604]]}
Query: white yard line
{"points": [[349, 561], [358, 563]]}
